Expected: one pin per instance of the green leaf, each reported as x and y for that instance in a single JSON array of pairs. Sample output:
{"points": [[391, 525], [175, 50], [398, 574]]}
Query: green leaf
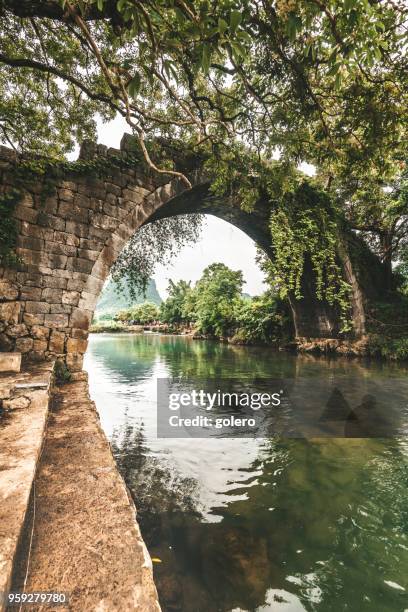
{"points": [[120, 5], [100, 4], [206, 58], [235, 20], [134, 85], [222, 26]]}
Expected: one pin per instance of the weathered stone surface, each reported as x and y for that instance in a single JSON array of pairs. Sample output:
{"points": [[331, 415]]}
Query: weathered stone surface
{"points": [[75, 345], [16, 403], [10, 312], [40, 332], [81, 334], [56, 321], [31, 293], [10, 362], [16, 331], [6, 343], [37, 307], [8, 290], [70, 297], [75, 361], [51, 295], [40, 346], [24, 345], [57, 342], [80, 318], [60, 309], [33, 319]]}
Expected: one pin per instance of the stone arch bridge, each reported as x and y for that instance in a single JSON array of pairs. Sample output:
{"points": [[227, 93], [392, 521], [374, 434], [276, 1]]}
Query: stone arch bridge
{"points": [[69, 240]]}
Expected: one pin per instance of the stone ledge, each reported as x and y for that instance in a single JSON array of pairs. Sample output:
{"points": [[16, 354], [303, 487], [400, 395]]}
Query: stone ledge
{"points": [[22, 426], [87, 542]]}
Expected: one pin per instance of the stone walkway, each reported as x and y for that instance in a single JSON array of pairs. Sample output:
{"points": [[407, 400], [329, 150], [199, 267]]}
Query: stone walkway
{"points": [[24, 399], [86, 541]]}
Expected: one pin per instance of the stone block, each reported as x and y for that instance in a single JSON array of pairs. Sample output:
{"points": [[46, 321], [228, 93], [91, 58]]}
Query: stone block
{"points": [[56, 321], [75, 284], [30, 242], [54, 282], [10, 362], [91, 245], [33, 319], [10, 312], [51, 295], [61, 249], [82, 201], [81, 334], [57, 342], [75, 361], [76, 345], [90, 255], [30, 279], [88, 301], [31, 293], [40, 346], [24, 345], [17, 331], [51, 205], [78, 229], [104, 222], [69, 185], [94, 285], [111, 188], [16, 403], [37, 307], [67, 195], [26, 214], [72, 212], [70, 297], [6, 343], [64, 238], [8, 291], [51, 221], [80, 318], [78, 264], [39, 332], [60, 309], [133, 195]]}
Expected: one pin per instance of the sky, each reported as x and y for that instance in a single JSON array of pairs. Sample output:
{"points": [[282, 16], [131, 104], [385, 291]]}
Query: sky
{"points": [[220, 241]]}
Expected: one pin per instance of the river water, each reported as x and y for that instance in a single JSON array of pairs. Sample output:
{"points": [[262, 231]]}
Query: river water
{"points": [[257, 524]]}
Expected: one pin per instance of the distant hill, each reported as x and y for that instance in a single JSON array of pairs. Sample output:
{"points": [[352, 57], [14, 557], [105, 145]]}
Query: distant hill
{"points": [[111, 301]]}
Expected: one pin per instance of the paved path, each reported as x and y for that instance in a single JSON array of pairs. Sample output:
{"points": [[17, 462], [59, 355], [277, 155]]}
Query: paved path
{"points": [[86, 541]]}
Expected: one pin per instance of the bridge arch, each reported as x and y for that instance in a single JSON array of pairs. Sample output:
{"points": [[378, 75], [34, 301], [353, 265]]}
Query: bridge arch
{"points": [[68, 241]]}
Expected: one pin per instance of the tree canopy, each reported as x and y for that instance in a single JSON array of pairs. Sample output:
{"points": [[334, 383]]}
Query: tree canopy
{"points": [[246, 81]]}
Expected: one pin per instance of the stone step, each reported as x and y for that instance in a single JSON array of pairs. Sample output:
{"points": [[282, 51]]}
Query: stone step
{"points": [[10, 362]]}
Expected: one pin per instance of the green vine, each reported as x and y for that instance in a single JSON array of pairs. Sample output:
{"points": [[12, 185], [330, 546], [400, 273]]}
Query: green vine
{"points": [[8, 227], [304, 224]]}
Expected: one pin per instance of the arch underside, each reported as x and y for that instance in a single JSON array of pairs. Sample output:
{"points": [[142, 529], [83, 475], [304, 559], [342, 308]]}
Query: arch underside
{"points": [[312, 317]]}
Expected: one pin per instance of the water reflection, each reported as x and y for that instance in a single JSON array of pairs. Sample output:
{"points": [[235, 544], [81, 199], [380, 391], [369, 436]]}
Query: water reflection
{"points": [[255, 524]]}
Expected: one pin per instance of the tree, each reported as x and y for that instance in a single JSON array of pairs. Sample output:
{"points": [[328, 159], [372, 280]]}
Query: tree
{"points": [[323, 82], [217, 294], [172, 310], [262, 319], [141, 313]]}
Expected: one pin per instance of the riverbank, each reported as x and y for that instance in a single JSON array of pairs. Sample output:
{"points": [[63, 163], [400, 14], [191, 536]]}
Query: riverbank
{"points": [[371, 346]]}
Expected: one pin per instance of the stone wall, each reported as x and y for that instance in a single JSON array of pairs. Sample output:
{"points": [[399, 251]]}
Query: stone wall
{"points": [[67, 244]]}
